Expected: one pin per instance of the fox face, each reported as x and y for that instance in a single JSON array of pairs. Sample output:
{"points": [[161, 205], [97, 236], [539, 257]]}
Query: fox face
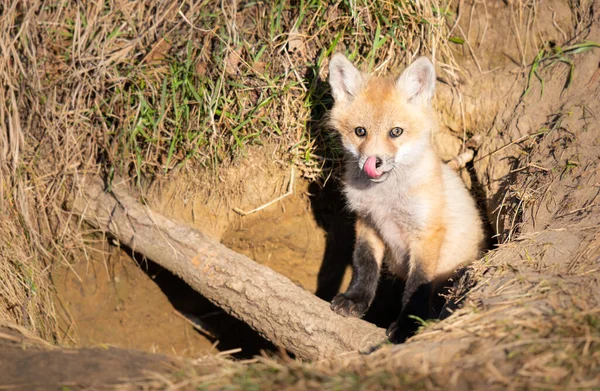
{"points": [[384, 122]]}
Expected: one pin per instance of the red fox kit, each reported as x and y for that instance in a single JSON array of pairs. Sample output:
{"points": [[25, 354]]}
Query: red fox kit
{"points": [[414, 213]]}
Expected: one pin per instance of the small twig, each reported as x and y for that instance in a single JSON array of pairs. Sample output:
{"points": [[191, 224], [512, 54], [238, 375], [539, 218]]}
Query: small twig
{"points": [[573, 227], [474, 56], [556, 26], [462, 120], [10, 337], [290, 190], [294, 70], [577, 210], [520, 139], [195, 325], [529, 166], [229, 352]]}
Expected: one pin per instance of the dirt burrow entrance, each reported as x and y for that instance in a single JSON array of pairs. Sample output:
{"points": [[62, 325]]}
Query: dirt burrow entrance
{"points": [[112, 297], [115, 298]]}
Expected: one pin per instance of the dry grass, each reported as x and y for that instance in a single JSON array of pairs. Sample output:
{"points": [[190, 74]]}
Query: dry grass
{"points": [[25, 297]]}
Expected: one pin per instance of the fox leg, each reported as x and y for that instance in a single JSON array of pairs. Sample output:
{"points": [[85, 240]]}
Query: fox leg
{"points": [[420, 283], [368, 254]]}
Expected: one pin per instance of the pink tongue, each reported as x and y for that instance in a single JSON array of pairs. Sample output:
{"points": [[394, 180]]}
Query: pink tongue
{"points": [[370, 168]]}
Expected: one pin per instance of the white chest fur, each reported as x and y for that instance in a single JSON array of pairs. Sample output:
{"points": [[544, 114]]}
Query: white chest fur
{"points": [[390, 209]]}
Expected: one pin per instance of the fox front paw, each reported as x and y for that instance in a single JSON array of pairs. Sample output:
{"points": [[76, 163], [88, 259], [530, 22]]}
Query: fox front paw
{"points": [[346, 306], [398, 332]]}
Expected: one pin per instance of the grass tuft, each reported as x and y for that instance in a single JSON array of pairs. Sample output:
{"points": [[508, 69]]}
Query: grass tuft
{"points": [[553, 54]]}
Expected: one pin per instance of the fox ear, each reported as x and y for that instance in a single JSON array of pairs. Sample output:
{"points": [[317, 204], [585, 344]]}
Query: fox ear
{"points": [[418, 81], [345, 80]]}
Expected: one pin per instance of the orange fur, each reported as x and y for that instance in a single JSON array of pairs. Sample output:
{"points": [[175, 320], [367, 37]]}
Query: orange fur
{"points": [[413, 211]]}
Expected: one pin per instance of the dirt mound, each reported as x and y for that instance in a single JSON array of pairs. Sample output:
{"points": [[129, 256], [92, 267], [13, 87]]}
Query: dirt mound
{"points": [[28, 363]]}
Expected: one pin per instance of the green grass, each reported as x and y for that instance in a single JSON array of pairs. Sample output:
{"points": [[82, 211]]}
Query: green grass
{"points": [[551, 55], [236, 81]]}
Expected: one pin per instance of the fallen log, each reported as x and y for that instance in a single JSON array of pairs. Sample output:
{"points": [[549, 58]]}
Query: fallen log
{"points": [[270, 303], [29, 363]]}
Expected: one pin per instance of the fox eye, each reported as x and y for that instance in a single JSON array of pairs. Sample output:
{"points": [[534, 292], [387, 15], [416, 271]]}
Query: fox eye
{"points": [[396, 132], [360, 131]]}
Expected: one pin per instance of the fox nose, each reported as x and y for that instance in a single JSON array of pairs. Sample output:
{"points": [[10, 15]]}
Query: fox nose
{"points": [[378, 162]]}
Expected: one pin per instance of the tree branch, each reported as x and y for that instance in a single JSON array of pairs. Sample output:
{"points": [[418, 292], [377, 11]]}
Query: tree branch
{"points": [[270, 303]]}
